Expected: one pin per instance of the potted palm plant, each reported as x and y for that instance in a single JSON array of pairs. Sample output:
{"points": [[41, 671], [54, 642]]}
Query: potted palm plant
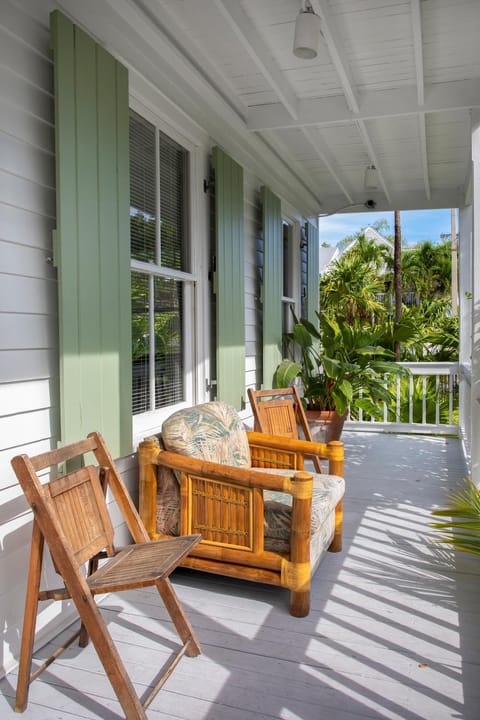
{"points": [[341, 367]]}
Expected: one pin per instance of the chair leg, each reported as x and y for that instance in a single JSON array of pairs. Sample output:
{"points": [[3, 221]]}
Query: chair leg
{"points": [[336, 544], [29, 618], [83, 634], [109, 656], [300, 603], [179, 618]]}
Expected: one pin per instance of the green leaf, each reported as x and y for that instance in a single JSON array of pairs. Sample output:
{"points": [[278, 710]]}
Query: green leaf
{"points": [[286, 373]]}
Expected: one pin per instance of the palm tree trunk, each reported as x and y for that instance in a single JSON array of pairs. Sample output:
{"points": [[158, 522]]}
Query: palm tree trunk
{"points": [[397, 276]]}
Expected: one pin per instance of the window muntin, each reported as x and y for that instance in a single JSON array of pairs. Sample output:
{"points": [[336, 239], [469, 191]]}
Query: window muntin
{"points": [[160, 281]]}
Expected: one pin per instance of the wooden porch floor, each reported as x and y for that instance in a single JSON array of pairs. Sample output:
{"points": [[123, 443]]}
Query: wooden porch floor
{"points": [[394, 630]]}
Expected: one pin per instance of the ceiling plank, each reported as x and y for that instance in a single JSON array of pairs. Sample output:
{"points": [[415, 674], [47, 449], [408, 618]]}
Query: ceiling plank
{"points": [[321, 149], [255, 46]]}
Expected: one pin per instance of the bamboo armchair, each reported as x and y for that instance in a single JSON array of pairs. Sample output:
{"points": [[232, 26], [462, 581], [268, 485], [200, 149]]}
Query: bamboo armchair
{"points": [[71, 516], [261, 516]]}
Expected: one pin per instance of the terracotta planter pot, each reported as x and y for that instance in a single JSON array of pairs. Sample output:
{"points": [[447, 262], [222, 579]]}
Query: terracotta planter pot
{"points": [[325, 425]]}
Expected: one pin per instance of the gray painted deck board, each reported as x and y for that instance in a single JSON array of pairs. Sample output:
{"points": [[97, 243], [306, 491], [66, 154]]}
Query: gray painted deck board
{"points": [[393, 632]]}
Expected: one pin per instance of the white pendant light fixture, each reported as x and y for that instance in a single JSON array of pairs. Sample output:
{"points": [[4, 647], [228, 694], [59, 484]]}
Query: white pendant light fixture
{"points": [[307, 33], [371, 178]]}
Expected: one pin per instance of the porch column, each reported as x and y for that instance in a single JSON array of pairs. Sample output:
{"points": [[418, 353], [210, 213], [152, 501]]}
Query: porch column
{"points": [[476, 295]]}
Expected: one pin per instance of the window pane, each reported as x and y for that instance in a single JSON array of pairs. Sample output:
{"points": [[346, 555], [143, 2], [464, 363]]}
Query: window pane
{"points": [[140, 343], [286, 260], [168, 342], [142, 189], [173, 205]]}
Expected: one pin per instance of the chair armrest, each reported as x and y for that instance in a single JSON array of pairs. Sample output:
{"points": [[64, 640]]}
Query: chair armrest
{"points": [[332, 451], [243, 477]]}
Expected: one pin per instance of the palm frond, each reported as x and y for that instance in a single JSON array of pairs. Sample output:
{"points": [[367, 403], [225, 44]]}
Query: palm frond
{"points": [[462, 531]]}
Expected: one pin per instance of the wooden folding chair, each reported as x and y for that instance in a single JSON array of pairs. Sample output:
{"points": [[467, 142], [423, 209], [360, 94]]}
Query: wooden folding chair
{"points": [[71, 515], [279, 411]]}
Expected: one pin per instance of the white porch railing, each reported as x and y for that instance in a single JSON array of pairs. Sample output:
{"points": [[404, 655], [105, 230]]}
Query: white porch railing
{"points": [[465, 420], [426, 402]]}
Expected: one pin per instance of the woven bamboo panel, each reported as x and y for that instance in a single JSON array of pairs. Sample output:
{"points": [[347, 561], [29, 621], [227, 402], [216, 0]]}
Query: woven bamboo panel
{"points": [[278, 418], [271, 458], [78, 502], [220, 512]]}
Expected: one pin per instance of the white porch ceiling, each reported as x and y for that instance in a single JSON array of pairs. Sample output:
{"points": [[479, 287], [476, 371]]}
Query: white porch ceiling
{"points": [[393, 85]]}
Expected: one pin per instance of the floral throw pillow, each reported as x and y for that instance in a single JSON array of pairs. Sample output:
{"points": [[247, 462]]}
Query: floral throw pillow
{"points": [[212, 431]]}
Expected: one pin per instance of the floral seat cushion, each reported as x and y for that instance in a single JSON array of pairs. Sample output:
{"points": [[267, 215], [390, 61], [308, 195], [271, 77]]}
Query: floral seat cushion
{"points": [[328, 490]]}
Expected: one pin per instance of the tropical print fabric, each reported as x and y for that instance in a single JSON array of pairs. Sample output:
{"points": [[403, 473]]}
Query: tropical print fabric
{"points": [[212, 431], [328, 490]]}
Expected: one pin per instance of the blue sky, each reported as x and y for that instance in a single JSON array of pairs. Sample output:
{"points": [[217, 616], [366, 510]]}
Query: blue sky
{"points": [[416, 225]]}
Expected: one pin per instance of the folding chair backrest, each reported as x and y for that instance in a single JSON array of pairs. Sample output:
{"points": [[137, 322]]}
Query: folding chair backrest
{"points": [[78, 502]]}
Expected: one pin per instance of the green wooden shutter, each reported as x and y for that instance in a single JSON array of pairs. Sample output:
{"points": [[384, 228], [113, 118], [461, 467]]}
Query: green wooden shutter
{"points": [[272, 284], [313, 279], [92, 250], [230, 270]]}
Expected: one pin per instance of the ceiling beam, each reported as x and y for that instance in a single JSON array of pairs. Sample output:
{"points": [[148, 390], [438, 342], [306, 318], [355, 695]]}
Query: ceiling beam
{"points": [[419, 74], [246, 32], [461, 95], [337, 54], [422, 131], [418, 50]]}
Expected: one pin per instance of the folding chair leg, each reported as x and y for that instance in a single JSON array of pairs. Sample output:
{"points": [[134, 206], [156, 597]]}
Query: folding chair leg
{"points": [[83, 634], [30, 618], [179, 618], [110, 658]]}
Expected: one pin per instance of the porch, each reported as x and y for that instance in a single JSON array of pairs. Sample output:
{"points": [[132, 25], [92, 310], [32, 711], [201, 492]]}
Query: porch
{"points": [[393, 632]]}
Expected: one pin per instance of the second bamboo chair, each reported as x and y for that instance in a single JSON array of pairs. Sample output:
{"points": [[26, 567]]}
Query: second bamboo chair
{"points": [[279, 411]]}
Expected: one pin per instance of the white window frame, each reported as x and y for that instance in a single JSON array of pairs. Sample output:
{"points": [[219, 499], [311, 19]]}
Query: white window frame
{"points": [[194, 297], [293, 267]]}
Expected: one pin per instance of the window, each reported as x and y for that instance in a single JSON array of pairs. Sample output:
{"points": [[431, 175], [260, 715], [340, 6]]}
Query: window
{"points": [[288, 290], [162, 287]]}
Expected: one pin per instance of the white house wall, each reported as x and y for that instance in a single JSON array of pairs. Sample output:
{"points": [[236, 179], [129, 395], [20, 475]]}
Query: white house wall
{"points": [[29, 414]]}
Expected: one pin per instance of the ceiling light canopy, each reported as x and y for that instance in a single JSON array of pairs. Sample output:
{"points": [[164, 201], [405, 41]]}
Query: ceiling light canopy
{"points": [[307, 33]]}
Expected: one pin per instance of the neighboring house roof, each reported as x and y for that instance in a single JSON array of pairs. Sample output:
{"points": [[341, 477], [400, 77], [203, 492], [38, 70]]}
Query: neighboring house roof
{"points": [[327, 255], [371, 234]]}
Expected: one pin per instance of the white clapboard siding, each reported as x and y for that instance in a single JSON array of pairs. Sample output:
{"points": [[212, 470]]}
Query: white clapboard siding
{"points": [[28, 293], [26, 228], [26, 331]]}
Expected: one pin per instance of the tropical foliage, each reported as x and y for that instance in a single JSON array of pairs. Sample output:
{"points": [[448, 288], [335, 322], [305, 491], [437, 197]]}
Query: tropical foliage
{"points": [[357, 289], [341, 366], [357, 299], [462, 529]]}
